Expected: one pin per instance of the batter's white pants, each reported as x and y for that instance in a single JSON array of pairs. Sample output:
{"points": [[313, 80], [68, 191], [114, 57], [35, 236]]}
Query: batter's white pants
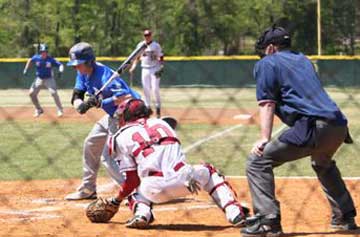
{"points": [[96, 150]]}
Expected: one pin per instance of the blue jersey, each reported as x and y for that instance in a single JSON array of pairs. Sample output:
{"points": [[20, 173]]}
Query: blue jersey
{"points": [[44, 66], [100, 75], [289, 79]]}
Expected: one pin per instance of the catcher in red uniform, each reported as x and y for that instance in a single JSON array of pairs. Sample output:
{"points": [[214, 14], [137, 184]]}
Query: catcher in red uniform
{"points": [[150, 156]]}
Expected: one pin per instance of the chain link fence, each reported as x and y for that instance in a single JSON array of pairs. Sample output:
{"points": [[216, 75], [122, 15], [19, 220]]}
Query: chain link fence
{"points": [[214, 102]]}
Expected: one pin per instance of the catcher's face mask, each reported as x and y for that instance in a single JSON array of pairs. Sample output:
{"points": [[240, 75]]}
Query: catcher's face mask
{"points": [[131, 110], [119, 113]]}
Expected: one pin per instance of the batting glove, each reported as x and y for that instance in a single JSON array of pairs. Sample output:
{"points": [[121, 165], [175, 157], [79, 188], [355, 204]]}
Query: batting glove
{"points": [[94, 101], [83, 108]]}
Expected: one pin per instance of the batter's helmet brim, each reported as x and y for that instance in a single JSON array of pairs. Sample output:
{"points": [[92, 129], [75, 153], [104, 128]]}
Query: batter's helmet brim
{"points": [[75, 62]]}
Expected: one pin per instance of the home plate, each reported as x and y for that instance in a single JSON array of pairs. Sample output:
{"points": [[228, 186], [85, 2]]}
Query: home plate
{"points": [[242, 116]]}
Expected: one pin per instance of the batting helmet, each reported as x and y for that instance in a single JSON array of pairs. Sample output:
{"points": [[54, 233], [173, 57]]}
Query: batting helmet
{"points": [[272, 35], [81, 53], [131, 110], [43, 48]]}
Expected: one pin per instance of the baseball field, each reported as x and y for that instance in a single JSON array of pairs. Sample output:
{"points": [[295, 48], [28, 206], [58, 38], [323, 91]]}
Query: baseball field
{"points": [[41, 163]]}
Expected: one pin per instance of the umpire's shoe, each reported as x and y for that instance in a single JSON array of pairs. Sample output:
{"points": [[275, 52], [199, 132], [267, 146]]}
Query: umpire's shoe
{"points": [[139, 222], [81, 195], [344, 224], [259, 226]]}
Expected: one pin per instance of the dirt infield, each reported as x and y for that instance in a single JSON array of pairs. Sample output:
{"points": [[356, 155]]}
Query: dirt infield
{"points": [[209, 116], [37, 208]]}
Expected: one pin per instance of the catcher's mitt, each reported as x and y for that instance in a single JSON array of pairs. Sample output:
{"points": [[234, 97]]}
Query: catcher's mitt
{"points": [[102, 210], [159, 72]]}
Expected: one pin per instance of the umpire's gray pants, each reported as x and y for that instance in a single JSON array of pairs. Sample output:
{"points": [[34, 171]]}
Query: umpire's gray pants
{"points": [[261, 177], [96, 149]]}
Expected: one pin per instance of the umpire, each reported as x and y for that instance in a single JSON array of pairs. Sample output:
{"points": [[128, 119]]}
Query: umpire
{"points": [[288, 86]]}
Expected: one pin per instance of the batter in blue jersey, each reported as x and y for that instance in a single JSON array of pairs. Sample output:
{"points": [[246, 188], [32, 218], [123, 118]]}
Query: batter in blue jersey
{"points": [[44, 64], [287, 86], [91, 76]]}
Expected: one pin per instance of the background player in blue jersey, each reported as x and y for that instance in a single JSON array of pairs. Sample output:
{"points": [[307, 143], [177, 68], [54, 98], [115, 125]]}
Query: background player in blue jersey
{"points": [[91, 76], [288, 86], [44, 77]]}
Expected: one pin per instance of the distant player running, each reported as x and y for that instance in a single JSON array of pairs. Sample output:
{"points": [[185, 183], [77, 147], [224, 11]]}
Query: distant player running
{"points": [[152, 63], [44, 77], [149, 152]]}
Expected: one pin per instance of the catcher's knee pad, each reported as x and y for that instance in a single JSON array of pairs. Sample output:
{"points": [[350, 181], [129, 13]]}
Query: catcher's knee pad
{"points": [[201, 174], [222, 193]]}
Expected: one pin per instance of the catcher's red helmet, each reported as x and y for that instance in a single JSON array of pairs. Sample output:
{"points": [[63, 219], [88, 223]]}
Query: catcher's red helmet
{"points": [[131, 110]]}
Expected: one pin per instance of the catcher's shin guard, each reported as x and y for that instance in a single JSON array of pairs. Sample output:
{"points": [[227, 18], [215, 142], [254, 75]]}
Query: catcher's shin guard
{"points": [[142, 209], [225, 197]]}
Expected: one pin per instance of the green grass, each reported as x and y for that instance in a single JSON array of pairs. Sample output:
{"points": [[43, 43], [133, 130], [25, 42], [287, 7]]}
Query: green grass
{"points": [[39, 150], [49, 150]]}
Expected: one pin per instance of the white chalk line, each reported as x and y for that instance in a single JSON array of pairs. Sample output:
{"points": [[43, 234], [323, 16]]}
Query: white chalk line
{"points": [[292, 177], [211, 137], [29, 215], [160, 209], [37, 214]]}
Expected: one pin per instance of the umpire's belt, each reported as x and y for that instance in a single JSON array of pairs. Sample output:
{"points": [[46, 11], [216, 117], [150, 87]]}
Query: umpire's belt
{"points": [[161, 174]]}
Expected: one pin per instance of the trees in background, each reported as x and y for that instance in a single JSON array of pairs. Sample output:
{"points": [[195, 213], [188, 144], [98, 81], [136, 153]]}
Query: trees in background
{"points": [[183, 27]]}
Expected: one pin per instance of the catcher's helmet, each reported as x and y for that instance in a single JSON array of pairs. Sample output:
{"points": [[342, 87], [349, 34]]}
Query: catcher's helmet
{"points": [[131, 110], [43, 48], [81, 53], [272, 35]]}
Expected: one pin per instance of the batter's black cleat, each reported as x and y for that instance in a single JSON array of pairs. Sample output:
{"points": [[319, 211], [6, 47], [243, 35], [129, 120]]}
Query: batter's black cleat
{"points": [[344, 224], [260, 226]]}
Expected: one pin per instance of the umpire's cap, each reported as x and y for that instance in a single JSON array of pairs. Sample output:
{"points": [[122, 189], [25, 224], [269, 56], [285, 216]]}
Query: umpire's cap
{"points": [[81, 53], [43, 48], [273, 35]]}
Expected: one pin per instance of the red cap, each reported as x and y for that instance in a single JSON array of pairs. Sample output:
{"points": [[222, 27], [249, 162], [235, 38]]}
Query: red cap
{"points": [[147, 32]]}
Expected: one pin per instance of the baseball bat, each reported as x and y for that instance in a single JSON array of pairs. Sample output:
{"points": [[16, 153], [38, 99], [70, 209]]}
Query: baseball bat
{"points": [[123, 66]]}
